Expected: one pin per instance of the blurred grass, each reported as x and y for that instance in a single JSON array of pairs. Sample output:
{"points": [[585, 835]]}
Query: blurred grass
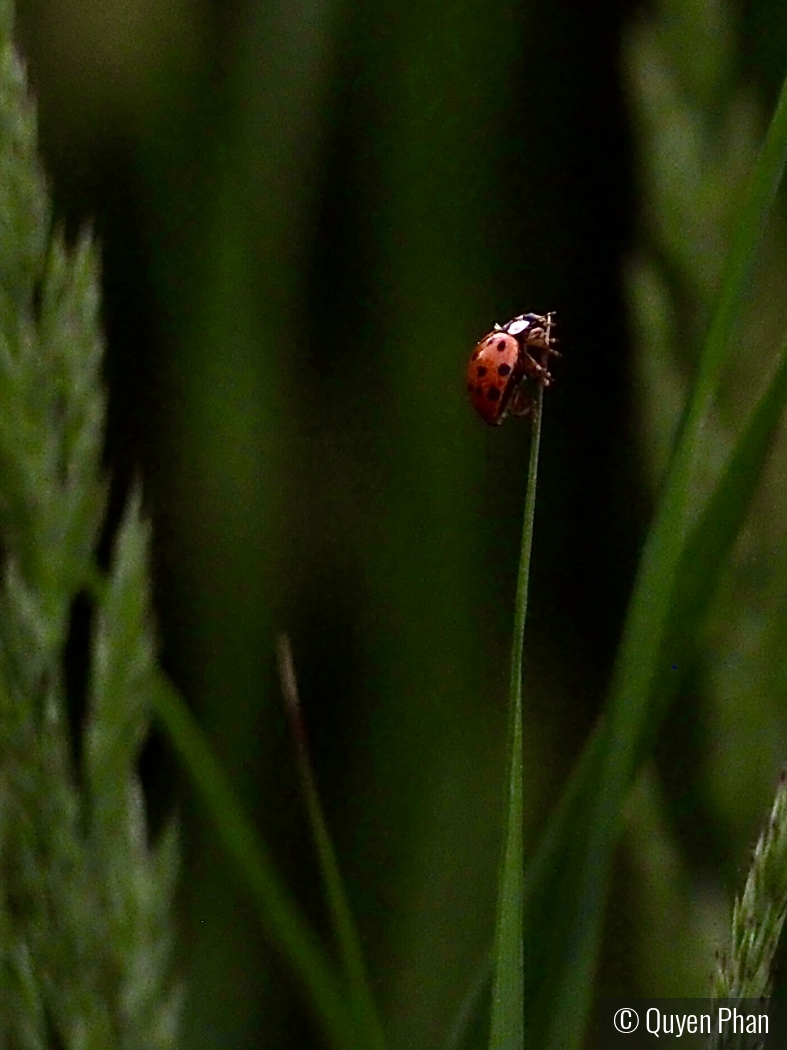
{"points": [[554, 872], [629, 717], [278, 912], [728, 725]]}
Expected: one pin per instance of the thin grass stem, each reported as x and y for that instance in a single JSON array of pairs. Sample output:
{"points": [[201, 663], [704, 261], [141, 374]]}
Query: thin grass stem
{"points": [[508, 1012], [344, 928], [280, 914]]}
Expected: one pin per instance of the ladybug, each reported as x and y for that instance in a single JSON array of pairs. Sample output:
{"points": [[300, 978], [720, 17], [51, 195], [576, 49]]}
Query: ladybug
{"points": [[503, 360]]}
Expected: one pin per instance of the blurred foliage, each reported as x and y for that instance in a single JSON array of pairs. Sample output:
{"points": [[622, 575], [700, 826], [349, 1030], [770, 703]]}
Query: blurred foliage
{"points": [[700, 123], [309, 213], [86, 900], [746, 968]]}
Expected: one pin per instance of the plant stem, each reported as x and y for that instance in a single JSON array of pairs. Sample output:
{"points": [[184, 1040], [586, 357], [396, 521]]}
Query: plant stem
{"points": [[507, 1022]]}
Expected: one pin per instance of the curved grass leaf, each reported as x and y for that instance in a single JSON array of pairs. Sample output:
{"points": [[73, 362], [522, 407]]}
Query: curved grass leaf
{"points": [[555, 875], [704, 556], [280, 914], [577, 899], [706, 552]]}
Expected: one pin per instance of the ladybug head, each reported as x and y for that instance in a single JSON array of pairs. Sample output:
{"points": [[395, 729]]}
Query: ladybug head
{"points": [[532, 329]]}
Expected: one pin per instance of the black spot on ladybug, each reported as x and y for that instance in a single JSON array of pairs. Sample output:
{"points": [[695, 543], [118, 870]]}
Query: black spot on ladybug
{"points": [[501, 345], [503, 370], [480, 371], [493, 394], [478, 391]]}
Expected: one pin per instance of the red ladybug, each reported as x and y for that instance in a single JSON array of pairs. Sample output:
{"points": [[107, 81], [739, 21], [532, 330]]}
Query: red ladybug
{"points": [[502, 362]]}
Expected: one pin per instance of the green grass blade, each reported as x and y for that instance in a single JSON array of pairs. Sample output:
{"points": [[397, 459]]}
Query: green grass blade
{"points": [[278, 911], [705, 554], [361, 999], [554, 926], [469, 1013], [507, 1021], [553, 866], [765, 181], [639, 665]]}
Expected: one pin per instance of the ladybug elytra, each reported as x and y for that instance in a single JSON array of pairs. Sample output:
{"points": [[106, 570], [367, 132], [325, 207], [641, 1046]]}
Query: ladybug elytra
{"points": [[504, 360]]}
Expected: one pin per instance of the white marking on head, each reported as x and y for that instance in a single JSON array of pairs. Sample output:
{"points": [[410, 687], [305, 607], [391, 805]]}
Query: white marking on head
{"points": [[518, 326]]}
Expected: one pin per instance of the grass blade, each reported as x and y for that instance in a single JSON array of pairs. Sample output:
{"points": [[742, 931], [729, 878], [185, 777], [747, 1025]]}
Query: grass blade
{"points": [[361, 1000], [278, 911], [705, 554], [711, 540], [507, 1021], [552, 875], [628, 717]]}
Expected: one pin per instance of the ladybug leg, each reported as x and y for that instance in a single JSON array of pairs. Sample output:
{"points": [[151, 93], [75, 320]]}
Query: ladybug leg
{"points": [[549, 339], [535, 369], [542, 339], [521, 403], [550, 350], [542, 335]]}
